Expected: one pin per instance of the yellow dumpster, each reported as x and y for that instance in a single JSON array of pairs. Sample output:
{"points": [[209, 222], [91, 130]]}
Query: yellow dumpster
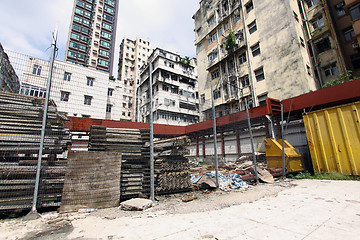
{"points": [[273, 150], [334, 138]]}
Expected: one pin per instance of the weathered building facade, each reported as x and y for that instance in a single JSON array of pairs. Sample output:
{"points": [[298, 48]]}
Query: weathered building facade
{"points": [[133, 54], [77, 91], [175, 94], [9, 81], [250, 50]]}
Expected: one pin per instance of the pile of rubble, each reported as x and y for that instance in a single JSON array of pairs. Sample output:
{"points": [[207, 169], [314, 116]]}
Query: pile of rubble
{"points": [[234, 175]]}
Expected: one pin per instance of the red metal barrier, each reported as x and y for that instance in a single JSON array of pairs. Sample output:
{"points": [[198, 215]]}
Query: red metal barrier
{"points": [[339, 94]]}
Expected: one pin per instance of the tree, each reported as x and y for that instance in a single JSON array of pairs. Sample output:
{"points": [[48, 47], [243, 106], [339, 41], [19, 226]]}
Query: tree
{"points": [[348, 76], [230, 42], [186, 61]]}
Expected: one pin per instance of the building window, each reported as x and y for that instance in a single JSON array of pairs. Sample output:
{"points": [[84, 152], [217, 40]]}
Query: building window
{"points": [[245, 81], [242, 58], [37, 69], [302, 43], [171, 65], [296, 16], [212, 37], [259, 74], [236, 18], [255, 50], [249, 6], [67, 76], [216, 93], [90, 81], [355, 60], [64, 96], [340, 9], [323, 45], [215, 74], [110, 91], [165, 88], [212, 56], [355, 11], [308, 69], [200, 47], [252, 27], [202, 97], [349, 34], [330, 70], [87, 100], [311, 3], [108, 108], [198, 31], [317, 22], [211, 20], [262, 100]]}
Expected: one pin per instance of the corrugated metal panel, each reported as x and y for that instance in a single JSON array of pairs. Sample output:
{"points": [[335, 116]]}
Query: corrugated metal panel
{"points": [[334, 139]]}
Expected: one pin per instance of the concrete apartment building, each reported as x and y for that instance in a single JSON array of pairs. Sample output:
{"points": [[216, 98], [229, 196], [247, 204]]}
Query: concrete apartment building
{"points": [[76, 90], [9, 81], [175, 94], [324, 47], [333, 29], [269, 57], [133, 54], [91, 39]]}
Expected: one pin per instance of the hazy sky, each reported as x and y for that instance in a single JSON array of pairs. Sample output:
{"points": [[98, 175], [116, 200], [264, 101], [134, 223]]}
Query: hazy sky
{"points": [[27, 25]]}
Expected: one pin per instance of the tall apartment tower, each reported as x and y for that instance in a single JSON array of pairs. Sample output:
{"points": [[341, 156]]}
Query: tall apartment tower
{"points": [[133, 54], [175, 94], [91, 39], [250, 50]]}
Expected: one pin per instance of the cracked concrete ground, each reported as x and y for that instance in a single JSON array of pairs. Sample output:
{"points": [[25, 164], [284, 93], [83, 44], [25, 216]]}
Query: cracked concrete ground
{"points": [[298, 209]]}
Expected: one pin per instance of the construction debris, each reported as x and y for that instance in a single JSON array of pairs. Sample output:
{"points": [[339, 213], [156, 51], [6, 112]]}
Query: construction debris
{"points": [[136, 204], [189, 199]]}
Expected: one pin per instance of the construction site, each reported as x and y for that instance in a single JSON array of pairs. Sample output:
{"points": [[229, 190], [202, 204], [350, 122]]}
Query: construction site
{"points": [[92, 166]]}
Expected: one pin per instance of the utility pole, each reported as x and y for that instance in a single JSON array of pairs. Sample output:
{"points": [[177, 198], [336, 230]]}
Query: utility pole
{"points": [[152, 178], [215, 141], [283, 141], [33, 213], [251, 141]]}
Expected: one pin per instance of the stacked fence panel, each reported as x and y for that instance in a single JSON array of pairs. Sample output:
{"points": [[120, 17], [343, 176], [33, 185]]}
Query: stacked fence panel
{"points": [[172, 169], [20, 131], [135, 163]]}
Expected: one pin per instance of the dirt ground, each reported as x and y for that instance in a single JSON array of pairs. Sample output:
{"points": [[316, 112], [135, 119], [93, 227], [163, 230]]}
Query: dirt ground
{"points": [[289, 209], [53, 225]]}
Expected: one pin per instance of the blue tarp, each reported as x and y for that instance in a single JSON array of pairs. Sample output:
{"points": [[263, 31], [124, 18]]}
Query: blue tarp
{"points": [[232, 181]]}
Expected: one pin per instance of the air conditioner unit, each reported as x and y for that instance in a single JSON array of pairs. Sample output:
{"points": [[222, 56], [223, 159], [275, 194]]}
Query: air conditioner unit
{"points": [[355, 45]]}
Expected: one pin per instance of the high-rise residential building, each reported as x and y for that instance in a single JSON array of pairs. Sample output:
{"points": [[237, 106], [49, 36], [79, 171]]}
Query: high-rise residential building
{"points": [[250, 50], [175, 94], [333, 30], [9, 80], [91, 39], [133, 54]]}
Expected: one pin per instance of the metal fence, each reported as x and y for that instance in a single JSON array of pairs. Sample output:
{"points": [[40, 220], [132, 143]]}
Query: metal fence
{"points": [[21, 128], [74, 91]]}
